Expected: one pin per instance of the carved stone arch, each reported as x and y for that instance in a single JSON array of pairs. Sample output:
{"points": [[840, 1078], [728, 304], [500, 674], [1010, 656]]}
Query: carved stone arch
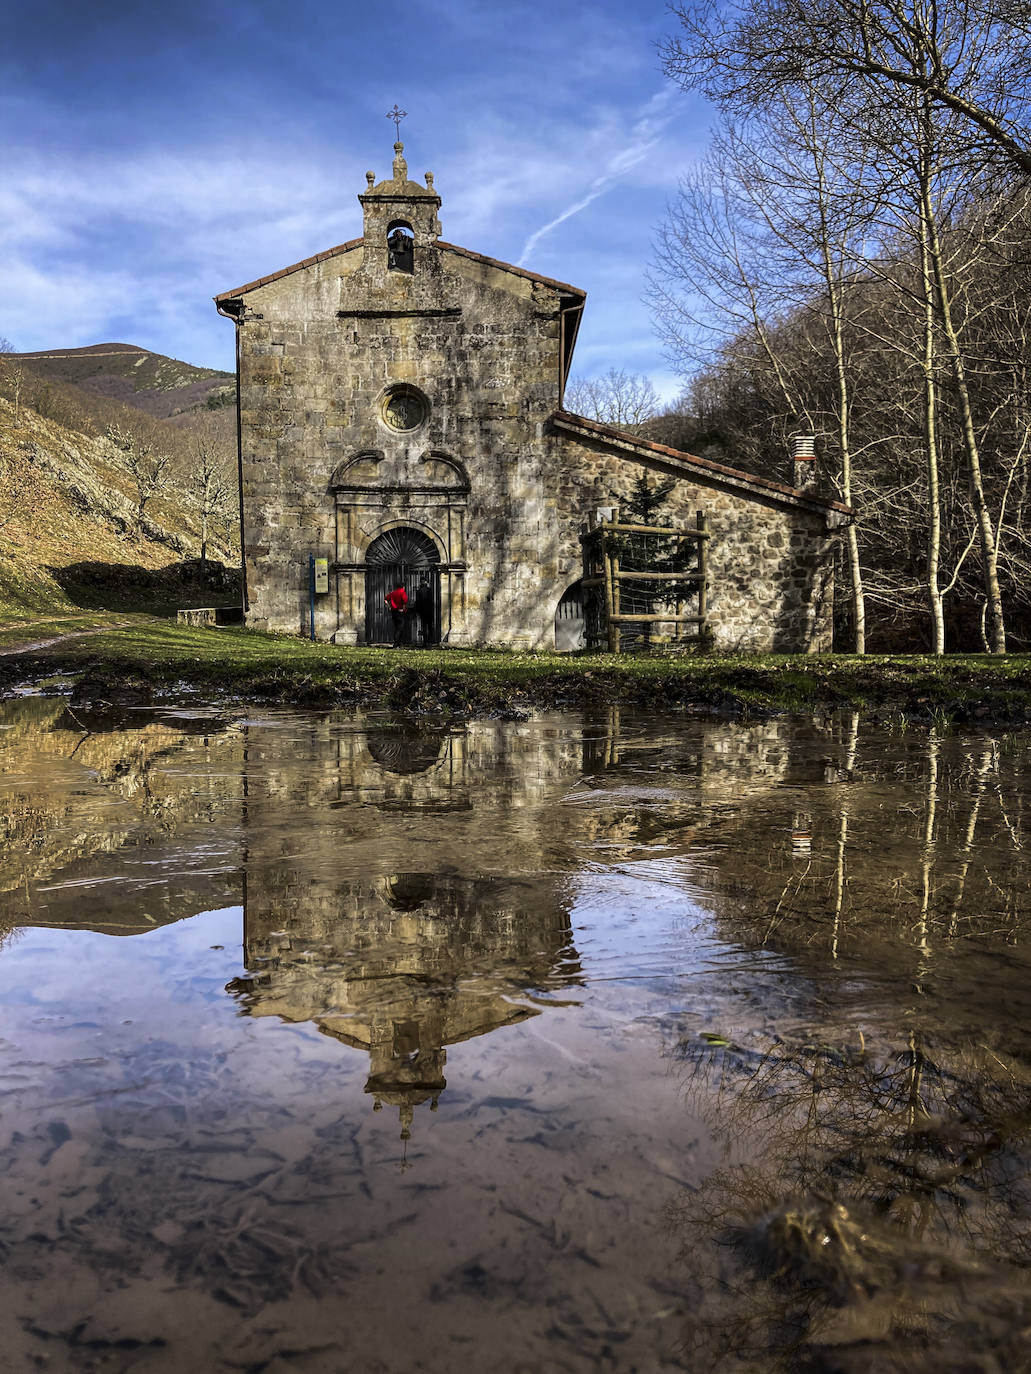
{"points": [[405, 749], [443, 470], [376, 492], [403, 523], [569, 619], [359, 470], [402, 555]]}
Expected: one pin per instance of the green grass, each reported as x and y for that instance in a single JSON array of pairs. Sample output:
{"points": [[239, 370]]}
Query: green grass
{"points": [[27, 591], [459, 681]]}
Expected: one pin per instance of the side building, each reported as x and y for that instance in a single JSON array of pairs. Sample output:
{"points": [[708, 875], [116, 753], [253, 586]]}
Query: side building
{"points": [[400, 418]]}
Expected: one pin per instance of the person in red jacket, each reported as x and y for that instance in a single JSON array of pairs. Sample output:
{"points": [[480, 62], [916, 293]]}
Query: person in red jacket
{"points": [[397, 601]]}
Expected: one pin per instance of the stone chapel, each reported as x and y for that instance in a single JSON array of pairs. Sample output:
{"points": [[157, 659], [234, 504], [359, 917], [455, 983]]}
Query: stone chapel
{"points": [[400, 418]]}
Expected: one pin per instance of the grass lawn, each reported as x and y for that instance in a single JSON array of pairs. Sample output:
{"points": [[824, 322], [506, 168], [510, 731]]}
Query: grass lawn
{"points": [[149, 653]]}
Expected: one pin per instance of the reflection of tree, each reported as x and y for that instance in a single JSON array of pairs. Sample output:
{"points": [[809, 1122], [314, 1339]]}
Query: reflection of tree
{"points": [[885, 1226], [886, 1222], [916, 842]]}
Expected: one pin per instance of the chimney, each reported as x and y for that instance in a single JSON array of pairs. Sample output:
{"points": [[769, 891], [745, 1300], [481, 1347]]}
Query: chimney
{"points": [[803, 460]]}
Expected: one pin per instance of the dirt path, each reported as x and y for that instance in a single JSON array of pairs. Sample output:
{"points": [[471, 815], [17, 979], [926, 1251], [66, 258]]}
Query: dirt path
{"points": [[27, 648]]}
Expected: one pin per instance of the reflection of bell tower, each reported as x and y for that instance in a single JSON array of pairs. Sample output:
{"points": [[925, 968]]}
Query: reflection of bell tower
{"points": [[399, 964], [407, 1067]]}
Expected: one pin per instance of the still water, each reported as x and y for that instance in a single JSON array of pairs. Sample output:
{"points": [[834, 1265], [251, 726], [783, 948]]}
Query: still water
{"points": [[594, 1042]]}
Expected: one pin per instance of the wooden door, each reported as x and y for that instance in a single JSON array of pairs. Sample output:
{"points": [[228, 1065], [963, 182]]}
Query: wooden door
{"points": [[399, 557]]}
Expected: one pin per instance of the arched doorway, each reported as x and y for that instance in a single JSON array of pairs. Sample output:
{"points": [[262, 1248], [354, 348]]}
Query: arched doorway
{"points": [[404, 748], [569, 620], [404, 556]]}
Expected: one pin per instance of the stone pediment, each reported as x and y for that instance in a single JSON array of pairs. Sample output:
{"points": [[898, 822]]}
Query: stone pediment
{"points": [[375, 470]]}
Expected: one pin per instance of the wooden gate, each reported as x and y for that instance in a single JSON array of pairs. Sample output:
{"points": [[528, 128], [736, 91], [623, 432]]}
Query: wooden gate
{"points": [[400, 556], [637, 580]]}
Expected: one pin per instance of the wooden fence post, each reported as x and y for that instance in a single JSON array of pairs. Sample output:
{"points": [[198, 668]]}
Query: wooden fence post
{"points": [[610, 624]]}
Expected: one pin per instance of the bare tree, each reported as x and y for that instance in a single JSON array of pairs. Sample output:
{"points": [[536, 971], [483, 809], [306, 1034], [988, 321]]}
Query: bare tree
{"points": [[864, 302], [929, 145], [147, 466], [14, 487], [967, 58], [815, 213], [12, 374], [624, 399], [210, 491]]}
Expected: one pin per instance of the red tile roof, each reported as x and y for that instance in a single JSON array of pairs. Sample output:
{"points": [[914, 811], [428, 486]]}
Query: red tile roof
{"points": [[592, 429], [285, 271], [508, 267]]}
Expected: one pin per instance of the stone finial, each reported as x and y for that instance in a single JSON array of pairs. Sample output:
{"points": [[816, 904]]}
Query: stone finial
{"points": [[400, 166], [370, 177], [429, 181]]}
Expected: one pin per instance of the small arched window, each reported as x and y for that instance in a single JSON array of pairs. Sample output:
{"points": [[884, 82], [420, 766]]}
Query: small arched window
{"points": [[400, 247], [570, 625]]}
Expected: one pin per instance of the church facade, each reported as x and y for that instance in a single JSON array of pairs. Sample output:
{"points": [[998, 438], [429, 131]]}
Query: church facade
{"points": [[401, 419]]}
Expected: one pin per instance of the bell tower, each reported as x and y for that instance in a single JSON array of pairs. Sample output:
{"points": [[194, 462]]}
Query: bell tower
{"points": [[400, 219]]}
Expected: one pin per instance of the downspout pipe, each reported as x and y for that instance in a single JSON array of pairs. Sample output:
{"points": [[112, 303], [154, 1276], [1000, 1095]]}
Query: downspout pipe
{"points": [[234, 310]]}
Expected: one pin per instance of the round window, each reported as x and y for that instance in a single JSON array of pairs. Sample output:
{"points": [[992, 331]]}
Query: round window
{"points": [[404, 408]]}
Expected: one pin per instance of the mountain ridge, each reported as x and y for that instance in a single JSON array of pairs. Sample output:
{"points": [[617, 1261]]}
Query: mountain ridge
{"points": [[152, 382]]}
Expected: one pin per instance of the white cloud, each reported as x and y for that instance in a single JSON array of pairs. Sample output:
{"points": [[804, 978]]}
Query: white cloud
{"points": [[91, 245], [133, 244], [632, 148]]}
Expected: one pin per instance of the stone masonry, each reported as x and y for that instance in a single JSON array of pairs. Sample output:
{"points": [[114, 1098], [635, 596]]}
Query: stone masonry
{"points": [[399, 387]]}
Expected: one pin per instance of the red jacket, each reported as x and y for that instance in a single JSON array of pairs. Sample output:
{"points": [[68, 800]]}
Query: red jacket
{"points": [[397, 600]]}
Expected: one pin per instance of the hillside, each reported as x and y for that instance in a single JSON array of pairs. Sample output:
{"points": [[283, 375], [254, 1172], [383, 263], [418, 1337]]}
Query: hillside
{"points": [[72, 531], [149, 382]]}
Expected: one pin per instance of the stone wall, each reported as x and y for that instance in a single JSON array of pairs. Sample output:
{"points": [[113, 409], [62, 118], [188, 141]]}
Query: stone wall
{"points": [[770, 563], [325, 473]]}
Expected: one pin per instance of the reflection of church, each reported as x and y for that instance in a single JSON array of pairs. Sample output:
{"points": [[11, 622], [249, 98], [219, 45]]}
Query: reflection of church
{"points": [[402, 966], [399, 963], [405, 884]]}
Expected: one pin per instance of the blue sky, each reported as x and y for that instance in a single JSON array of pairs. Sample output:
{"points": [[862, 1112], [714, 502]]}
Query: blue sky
{"points": [[158, 154]]}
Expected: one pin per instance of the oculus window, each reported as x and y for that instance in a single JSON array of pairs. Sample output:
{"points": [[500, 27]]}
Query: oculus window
{"points": [[404, 409]]}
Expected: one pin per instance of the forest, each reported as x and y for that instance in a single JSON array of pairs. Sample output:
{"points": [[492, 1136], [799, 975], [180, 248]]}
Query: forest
{"points": [[850, 261]]}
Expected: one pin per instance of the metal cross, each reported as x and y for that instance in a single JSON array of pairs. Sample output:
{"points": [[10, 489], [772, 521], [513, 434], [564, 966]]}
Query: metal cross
{"points": [[397, 114]]}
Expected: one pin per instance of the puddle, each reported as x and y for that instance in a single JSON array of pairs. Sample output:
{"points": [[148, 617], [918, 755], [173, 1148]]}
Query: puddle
{"points": [[597, 1041]]}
